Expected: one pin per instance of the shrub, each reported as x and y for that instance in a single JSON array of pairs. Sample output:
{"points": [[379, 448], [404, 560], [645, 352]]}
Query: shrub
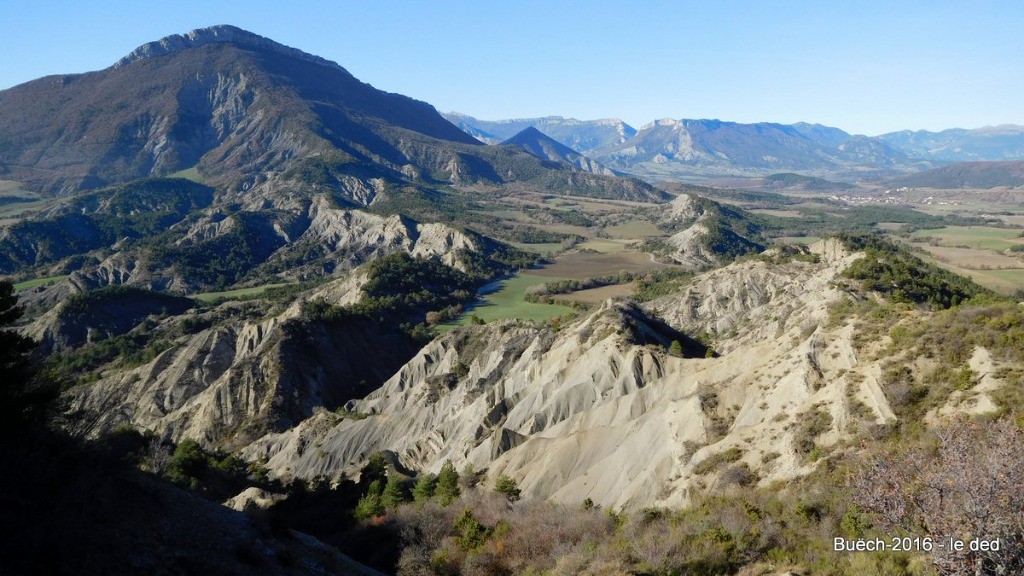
{"points": [[965, 486]]}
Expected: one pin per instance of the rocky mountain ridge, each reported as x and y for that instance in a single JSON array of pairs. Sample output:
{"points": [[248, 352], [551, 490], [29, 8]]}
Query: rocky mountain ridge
{"points": [[221, 33], [598, 409]]}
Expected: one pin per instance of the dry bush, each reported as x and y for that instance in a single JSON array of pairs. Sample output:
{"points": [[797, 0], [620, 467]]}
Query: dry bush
{"points": [[966, 486]]}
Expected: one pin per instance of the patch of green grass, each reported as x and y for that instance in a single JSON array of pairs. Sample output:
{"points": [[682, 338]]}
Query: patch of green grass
{"points": [[239, 293], [29, 284], [544, 248], [604, 245], [188, 174], [634, 229], [508, 302]]}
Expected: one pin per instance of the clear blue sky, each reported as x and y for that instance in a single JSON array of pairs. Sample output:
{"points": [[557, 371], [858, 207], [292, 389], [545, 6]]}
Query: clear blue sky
{"points": [[866, 67]]}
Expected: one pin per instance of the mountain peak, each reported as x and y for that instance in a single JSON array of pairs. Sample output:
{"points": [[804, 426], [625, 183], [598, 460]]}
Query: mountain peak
{"points": [[216, 34]]}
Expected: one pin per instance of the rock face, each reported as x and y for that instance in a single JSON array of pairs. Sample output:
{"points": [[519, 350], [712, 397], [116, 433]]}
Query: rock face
{"points": [[243, 111], [599, 410], [246, 375]]}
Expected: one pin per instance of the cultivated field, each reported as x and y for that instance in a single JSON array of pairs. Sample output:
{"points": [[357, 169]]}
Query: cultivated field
{"points": [[14, 202], [634, 229], [977, 237], [583, 265], [972, 258]]}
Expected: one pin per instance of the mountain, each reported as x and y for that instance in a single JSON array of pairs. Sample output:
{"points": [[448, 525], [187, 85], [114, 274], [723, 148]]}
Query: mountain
{"points": [[582, 136], [228, 101], [1005, 142], [540, 145], [668, 149], [824, 135], [290, 148], [966, 175], [243, 110]]}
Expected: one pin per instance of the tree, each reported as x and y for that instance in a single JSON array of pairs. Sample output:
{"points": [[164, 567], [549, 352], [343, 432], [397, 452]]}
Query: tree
{"points": [[447, 484], [472, 534], [676, 349], [424, 488], [393, 494], [370, 504], [187, 463], [508, 487], [469, 477], [19, 402], [376, 468]]}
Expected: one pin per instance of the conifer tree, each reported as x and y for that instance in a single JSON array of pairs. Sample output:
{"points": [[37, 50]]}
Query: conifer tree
{"points": [[447, 484], [370, 504], [393, 495], [424, 488]]}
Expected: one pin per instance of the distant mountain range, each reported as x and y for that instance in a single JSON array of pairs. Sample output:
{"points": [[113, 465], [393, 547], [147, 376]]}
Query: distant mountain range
{"points": [[1004, 142], [583, 136], [667, 149]]}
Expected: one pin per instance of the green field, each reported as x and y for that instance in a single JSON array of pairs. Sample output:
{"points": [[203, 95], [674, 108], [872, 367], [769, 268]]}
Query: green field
{"points": [[977, 237], [1005, 281], [29, 284], [605, 245], [544, 248], [507, 302], [634, 229], [239, 293], [188, 174], [14, 201]]}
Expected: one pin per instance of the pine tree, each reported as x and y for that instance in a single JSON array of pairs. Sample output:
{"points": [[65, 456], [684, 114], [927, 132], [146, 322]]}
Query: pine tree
{"points": [[469, 479], [472, 534], [19, 404], [424, 489], [370, 504], [447, 484], [393, 495], [376, 468], [676, 349], [507, 486]]}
